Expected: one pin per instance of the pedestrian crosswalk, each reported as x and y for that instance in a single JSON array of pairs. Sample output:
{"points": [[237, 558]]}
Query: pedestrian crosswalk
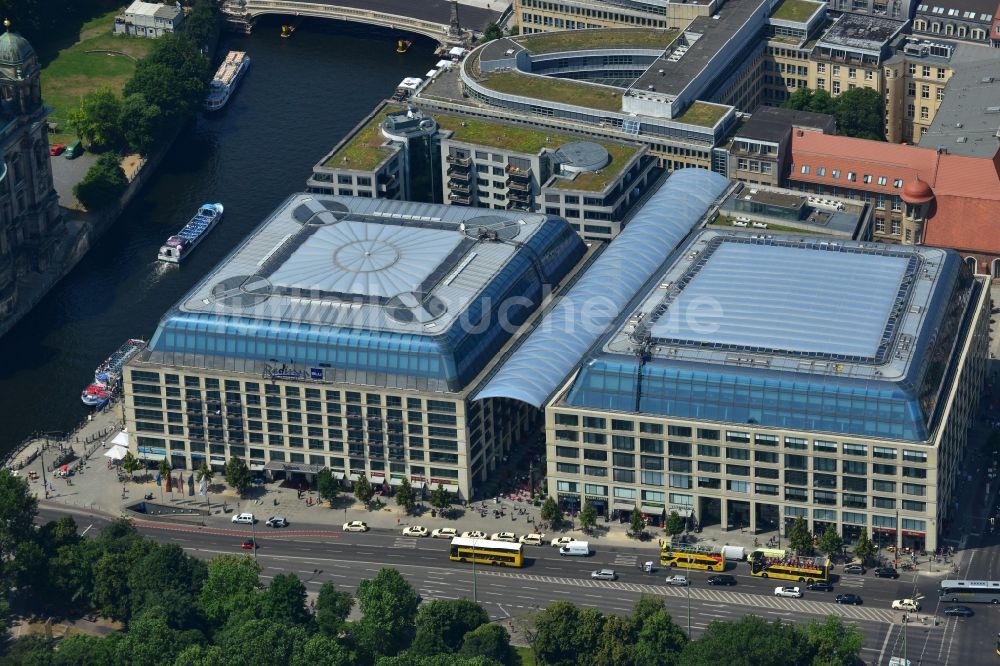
{"points": [[719, 596], [624, 560], [404, 542]]}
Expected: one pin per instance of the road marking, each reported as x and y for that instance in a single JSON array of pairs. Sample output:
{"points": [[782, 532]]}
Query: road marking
{"points": [[885, 643], [84, 533]]}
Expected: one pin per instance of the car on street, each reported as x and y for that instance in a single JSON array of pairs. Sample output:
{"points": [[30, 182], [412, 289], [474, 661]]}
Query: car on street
{"points": [[244, 519], [905, 605], [444, 533], [356, 526], [677, 580], [854, 569], [509, 537], [959, 611], [276, 521], [722, 579], [249, 544], [415, 531], [604, 574], [820, 587], [559, 542], [849, 599], [57, 149], [473, 534], [886, 572], [533, 539], [792, 592]]}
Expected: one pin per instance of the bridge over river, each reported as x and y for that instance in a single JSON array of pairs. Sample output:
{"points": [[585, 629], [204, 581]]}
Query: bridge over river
{"points": [[443, 20]]}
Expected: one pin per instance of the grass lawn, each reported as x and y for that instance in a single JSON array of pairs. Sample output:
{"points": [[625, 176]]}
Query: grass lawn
{"points": [[552, 89], [595, 182], [74, 72], [725, 223], [702, 114], [527, 656], [364, 151], [601, 38], [796, 10]]}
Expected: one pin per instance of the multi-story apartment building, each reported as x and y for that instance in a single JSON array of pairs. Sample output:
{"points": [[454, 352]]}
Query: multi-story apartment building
{"points": [[758, 153], [915, 81], [350, 334], [480, 161], [964, 20]]}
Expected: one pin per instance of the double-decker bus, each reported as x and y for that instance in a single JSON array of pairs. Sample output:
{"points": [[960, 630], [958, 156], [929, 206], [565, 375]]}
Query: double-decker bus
{"points": [[971, 591], [484, 551], [770, 563], [692, 556]]}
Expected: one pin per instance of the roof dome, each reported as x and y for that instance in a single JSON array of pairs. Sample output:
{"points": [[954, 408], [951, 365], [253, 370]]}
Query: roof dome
{"points": [[917, 192], [14, 49]]}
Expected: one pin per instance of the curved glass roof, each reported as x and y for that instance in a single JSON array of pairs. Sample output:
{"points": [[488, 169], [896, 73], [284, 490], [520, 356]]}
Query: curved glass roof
{"points": [[551, 352]]}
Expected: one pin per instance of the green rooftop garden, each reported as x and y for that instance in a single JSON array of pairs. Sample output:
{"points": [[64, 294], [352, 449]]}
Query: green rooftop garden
{"points": [[702, 114], [796, 10], [531, 141], [364, 151], [563, 91], [600, 38]]}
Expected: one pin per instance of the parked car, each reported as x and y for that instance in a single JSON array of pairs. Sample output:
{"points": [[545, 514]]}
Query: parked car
{"points": [[415, 531], [244, 519], [959, 611], [74, 150], [677, 580], [509, 537], [356, 526], [533, 539], [854, 568], [604, 574], [444, 533], [820, 587], [849, 599], [905, 605], [559, 542], [249, 544], [886, 572], [474, 534], [792, 592], [722, 579], [276, 521], [57, 149]]}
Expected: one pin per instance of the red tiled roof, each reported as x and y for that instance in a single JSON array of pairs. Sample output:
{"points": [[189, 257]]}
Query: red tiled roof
{"points": [[967, 215]]}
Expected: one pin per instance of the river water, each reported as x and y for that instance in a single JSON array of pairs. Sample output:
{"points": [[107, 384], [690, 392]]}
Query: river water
{"points": [[299, 98]]}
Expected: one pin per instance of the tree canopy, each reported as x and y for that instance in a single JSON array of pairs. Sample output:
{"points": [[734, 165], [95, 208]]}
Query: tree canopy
{"points": [[237, 474], [860, 112]]}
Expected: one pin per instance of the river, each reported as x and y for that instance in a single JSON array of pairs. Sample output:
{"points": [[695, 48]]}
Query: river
{"points": [[299, 98]]}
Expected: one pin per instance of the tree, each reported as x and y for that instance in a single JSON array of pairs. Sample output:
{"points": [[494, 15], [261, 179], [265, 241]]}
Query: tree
{"points": [[675, 524], [822, 102], [440, 499], [637, 524], [405, 497], [834, 642], [285, 600], [588, 516], [262, 641], [173, 76], [102, 185], [551, 513], [388, 609], [554, 640], [204, 477], [237, 474], [363, 490], [328, 487], [659, 640], [98, 120], [864, 549], [166, 576], [443, 623], [130, 463], [202, 23], [616, 644], [861, 113], [232, 582], [491, 641], [141, 122], [151, 640], [799, 99], [332, 609], [799, 538], [490, 32], [18, 508], [752, 640], [830, 542]]}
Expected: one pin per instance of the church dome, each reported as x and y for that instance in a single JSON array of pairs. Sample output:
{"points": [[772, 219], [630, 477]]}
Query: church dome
{"points": [[14, 49], [917, 192]]}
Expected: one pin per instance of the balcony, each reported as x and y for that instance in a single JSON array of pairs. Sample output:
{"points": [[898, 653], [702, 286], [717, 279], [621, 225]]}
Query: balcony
{"points": [[458, 174], [519, 185], [518, 206], [459, 186], [460, 198], [519, 195], [515, 172], [460, 161]]}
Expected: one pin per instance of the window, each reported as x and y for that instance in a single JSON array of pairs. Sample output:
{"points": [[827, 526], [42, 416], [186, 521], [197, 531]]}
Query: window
{"points": [[855, 449], [770, 457], [925, 113], [622, 443], [623, 460], [567, 452], [736, 486], [651, 445], [914, 456], [882, 452], [708, 450], [914, 489], [708, 434], [627, 426], [883, 503], [593, 422], [738, 470], [624, 475], [680, 449], [567, 468], [885, 470], [737, 454], [805, 168], [795, 443], [825, 464], [855, 467], [567, 419]]}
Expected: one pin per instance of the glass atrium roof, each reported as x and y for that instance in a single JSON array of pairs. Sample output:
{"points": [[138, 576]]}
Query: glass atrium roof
{"points": [[375, 292]]}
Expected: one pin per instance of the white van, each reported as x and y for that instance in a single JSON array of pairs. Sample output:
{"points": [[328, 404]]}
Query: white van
{"points": [[244, 518], [577, 548]]}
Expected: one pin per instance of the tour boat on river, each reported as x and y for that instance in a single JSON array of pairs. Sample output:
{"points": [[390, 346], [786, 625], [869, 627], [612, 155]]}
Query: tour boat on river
{"points": [[180, 245], [226, 78], [108, 375]]}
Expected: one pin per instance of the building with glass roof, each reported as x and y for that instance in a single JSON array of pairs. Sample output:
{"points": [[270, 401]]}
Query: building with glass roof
{"points": [[348, 333], [759, 378]]}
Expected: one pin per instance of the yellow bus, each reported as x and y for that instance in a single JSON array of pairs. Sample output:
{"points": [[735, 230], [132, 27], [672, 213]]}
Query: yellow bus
{"points": [[692, 556], [484, 551], [770, 563]]}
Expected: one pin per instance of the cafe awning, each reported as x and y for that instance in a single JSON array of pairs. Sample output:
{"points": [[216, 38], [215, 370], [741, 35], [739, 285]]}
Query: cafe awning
{"points": [[116, 452]]}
